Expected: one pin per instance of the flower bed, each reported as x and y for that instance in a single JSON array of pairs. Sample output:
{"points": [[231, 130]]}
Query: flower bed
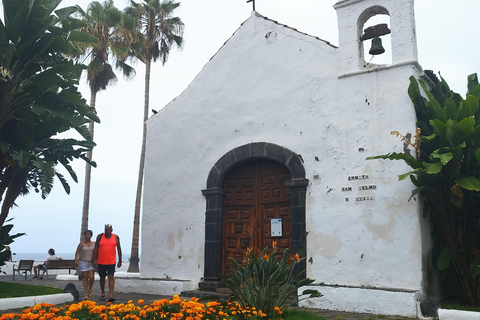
{"points": [[172, 309]]}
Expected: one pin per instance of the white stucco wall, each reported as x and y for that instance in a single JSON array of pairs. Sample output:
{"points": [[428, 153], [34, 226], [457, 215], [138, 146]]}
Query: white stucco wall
{"points": [[270, 83]]}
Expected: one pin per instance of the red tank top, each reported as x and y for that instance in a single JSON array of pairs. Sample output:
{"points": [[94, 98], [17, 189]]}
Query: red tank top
{"points": [[107, 250]]}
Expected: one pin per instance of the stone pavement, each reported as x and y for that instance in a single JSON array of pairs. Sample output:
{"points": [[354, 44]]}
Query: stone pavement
{"points": [[121, 297]]}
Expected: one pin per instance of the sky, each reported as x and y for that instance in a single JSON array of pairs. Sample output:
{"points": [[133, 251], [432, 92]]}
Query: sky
{"points": [[447, 38]]}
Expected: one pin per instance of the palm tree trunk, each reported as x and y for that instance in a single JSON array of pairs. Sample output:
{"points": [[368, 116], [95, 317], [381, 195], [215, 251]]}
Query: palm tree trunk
{"points": [[134, 266], [88, 174]]}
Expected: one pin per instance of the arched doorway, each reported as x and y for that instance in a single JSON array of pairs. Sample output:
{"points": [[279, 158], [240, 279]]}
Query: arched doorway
{"points": [[256, 210], [215, 193]]}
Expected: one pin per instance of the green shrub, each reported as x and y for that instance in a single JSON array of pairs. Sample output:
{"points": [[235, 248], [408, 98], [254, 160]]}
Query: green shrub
{"points": [[446, 172], [267, 284]]}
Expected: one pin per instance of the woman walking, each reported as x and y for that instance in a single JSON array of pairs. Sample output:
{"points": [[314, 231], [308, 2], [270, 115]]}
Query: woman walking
{"points": [[83, 259]]}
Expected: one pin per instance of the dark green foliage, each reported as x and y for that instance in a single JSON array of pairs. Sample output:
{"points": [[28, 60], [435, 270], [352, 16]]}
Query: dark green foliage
{"points": [[447, 175], [266, 283], [5, 240], [39, 98]]}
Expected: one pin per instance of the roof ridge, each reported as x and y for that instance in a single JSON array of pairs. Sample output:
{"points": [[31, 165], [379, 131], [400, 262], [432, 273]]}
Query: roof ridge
{"points": [[291, 28]]}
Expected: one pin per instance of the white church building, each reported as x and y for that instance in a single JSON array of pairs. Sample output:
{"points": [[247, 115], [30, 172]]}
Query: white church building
{"points": [[269, 143]]}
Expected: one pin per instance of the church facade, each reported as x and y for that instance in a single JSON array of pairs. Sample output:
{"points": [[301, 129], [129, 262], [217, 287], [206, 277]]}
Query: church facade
{"points": [[269, 143]]}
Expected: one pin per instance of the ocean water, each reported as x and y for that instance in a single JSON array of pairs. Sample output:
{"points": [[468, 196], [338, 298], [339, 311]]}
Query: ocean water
{"points": [[40, 257]]}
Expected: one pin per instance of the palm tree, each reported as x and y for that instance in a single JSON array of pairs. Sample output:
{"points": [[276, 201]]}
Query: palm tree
{"points": [[160, 32], [115, 33]]}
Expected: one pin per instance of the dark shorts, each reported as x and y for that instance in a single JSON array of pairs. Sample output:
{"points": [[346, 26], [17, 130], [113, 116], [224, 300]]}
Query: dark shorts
{"points": [[104, 269]]}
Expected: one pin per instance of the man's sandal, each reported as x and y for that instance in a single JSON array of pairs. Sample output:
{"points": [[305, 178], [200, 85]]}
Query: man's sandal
{"points": [[101, 298], [111, 300]]}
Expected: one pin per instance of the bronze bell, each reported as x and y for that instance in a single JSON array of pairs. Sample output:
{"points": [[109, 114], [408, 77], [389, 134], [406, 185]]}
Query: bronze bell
{"points": [[377, 47]]}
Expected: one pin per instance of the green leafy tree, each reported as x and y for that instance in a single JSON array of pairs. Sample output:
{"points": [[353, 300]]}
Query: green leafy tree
{"points": [[5, 240], [39, 98], [115, 32], [160, 31], [446, 172]]}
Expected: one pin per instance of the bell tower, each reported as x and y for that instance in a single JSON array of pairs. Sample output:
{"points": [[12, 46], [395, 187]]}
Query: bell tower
{"points": [[354, 35]]}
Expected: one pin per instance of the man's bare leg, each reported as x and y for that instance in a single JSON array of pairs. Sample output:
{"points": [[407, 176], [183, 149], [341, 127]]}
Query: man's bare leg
{"points": [[102, 286], [111, 283]]}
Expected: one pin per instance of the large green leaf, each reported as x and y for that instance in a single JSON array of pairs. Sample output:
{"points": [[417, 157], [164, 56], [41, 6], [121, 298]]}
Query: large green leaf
{"points": [[464, 111], [79, 36], [444, 157], [455, 133], [411, 161], [440, 128], [21, 156], [450, 108], [472, 80], [473, 102], [467, 125], [446, 255], [469, 183], [406, 175], [433, 168]]}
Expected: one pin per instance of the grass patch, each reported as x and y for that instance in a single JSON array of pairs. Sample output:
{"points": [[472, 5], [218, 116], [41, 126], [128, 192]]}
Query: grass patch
{"points": [[15, 290], [459, 307], [301, 315]]}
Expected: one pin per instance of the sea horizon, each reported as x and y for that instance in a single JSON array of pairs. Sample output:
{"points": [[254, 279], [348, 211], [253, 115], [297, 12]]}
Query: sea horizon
{"points": [[40, 257]]}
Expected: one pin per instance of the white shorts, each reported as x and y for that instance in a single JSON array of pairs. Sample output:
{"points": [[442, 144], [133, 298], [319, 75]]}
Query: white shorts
{"points": [[84, 266]]}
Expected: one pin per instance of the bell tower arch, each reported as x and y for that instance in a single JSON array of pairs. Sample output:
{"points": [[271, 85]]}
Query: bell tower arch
{"points": [[352, 17]]}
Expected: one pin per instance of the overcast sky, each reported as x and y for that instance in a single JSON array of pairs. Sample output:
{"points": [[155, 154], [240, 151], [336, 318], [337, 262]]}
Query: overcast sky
{"points": [[448, 41]]}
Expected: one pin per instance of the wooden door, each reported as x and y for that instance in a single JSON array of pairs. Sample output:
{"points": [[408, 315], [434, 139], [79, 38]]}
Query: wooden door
{"points": [[255, 193]]}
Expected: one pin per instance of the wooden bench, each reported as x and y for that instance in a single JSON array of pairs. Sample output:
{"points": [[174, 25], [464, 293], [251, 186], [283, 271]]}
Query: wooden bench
{"points": [[23, 265], [59, 265]]}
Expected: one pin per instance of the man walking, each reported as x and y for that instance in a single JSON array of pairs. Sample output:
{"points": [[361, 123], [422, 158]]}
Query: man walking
{"points": [[104, 259]]}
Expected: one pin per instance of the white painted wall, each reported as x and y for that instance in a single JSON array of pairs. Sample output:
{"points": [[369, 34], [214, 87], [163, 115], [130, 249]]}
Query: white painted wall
{"points": [[270, 83]]}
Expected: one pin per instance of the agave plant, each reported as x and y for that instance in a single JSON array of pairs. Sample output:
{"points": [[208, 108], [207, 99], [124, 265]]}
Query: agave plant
{"points": [[266, 283]]}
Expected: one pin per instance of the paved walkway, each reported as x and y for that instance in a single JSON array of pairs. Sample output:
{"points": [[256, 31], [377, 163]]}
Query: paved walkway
{"points": [[121, 297]]}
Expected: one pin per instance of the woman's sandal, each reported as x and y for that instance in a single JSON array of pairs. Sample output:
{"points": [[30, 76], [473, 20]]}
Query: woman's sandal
{"points": [[86, 297], [111, 300], [101, 298], [90, 295]]}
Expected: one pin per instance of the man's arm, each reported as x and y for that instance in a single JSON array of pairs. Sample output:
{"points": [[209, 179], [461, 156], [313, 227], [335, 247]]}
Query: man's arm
{"points": [[119, 250], [95, 251]]}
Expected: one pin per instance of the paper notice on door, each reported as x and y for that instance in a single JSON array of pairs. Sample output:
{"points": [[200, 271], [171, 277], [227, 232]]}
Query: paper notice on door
{"points": [[276, 227]]}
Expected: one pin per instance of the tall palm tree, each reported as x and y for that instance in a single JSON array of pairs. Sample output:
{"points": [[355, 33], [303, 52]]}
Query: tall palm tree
{"points": [[115, 33], [160, 31]]}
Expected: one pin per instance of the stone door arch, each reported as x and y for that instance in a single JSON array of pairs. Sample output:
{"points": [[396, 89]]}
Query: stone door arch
{"points": [[214, 195]]}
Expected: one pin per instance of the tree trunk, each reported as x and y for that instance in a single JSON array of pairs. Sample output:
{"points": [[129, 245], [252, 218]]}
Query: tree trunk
{"points": [[18, 178], [88, 173], [134, 266]]}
